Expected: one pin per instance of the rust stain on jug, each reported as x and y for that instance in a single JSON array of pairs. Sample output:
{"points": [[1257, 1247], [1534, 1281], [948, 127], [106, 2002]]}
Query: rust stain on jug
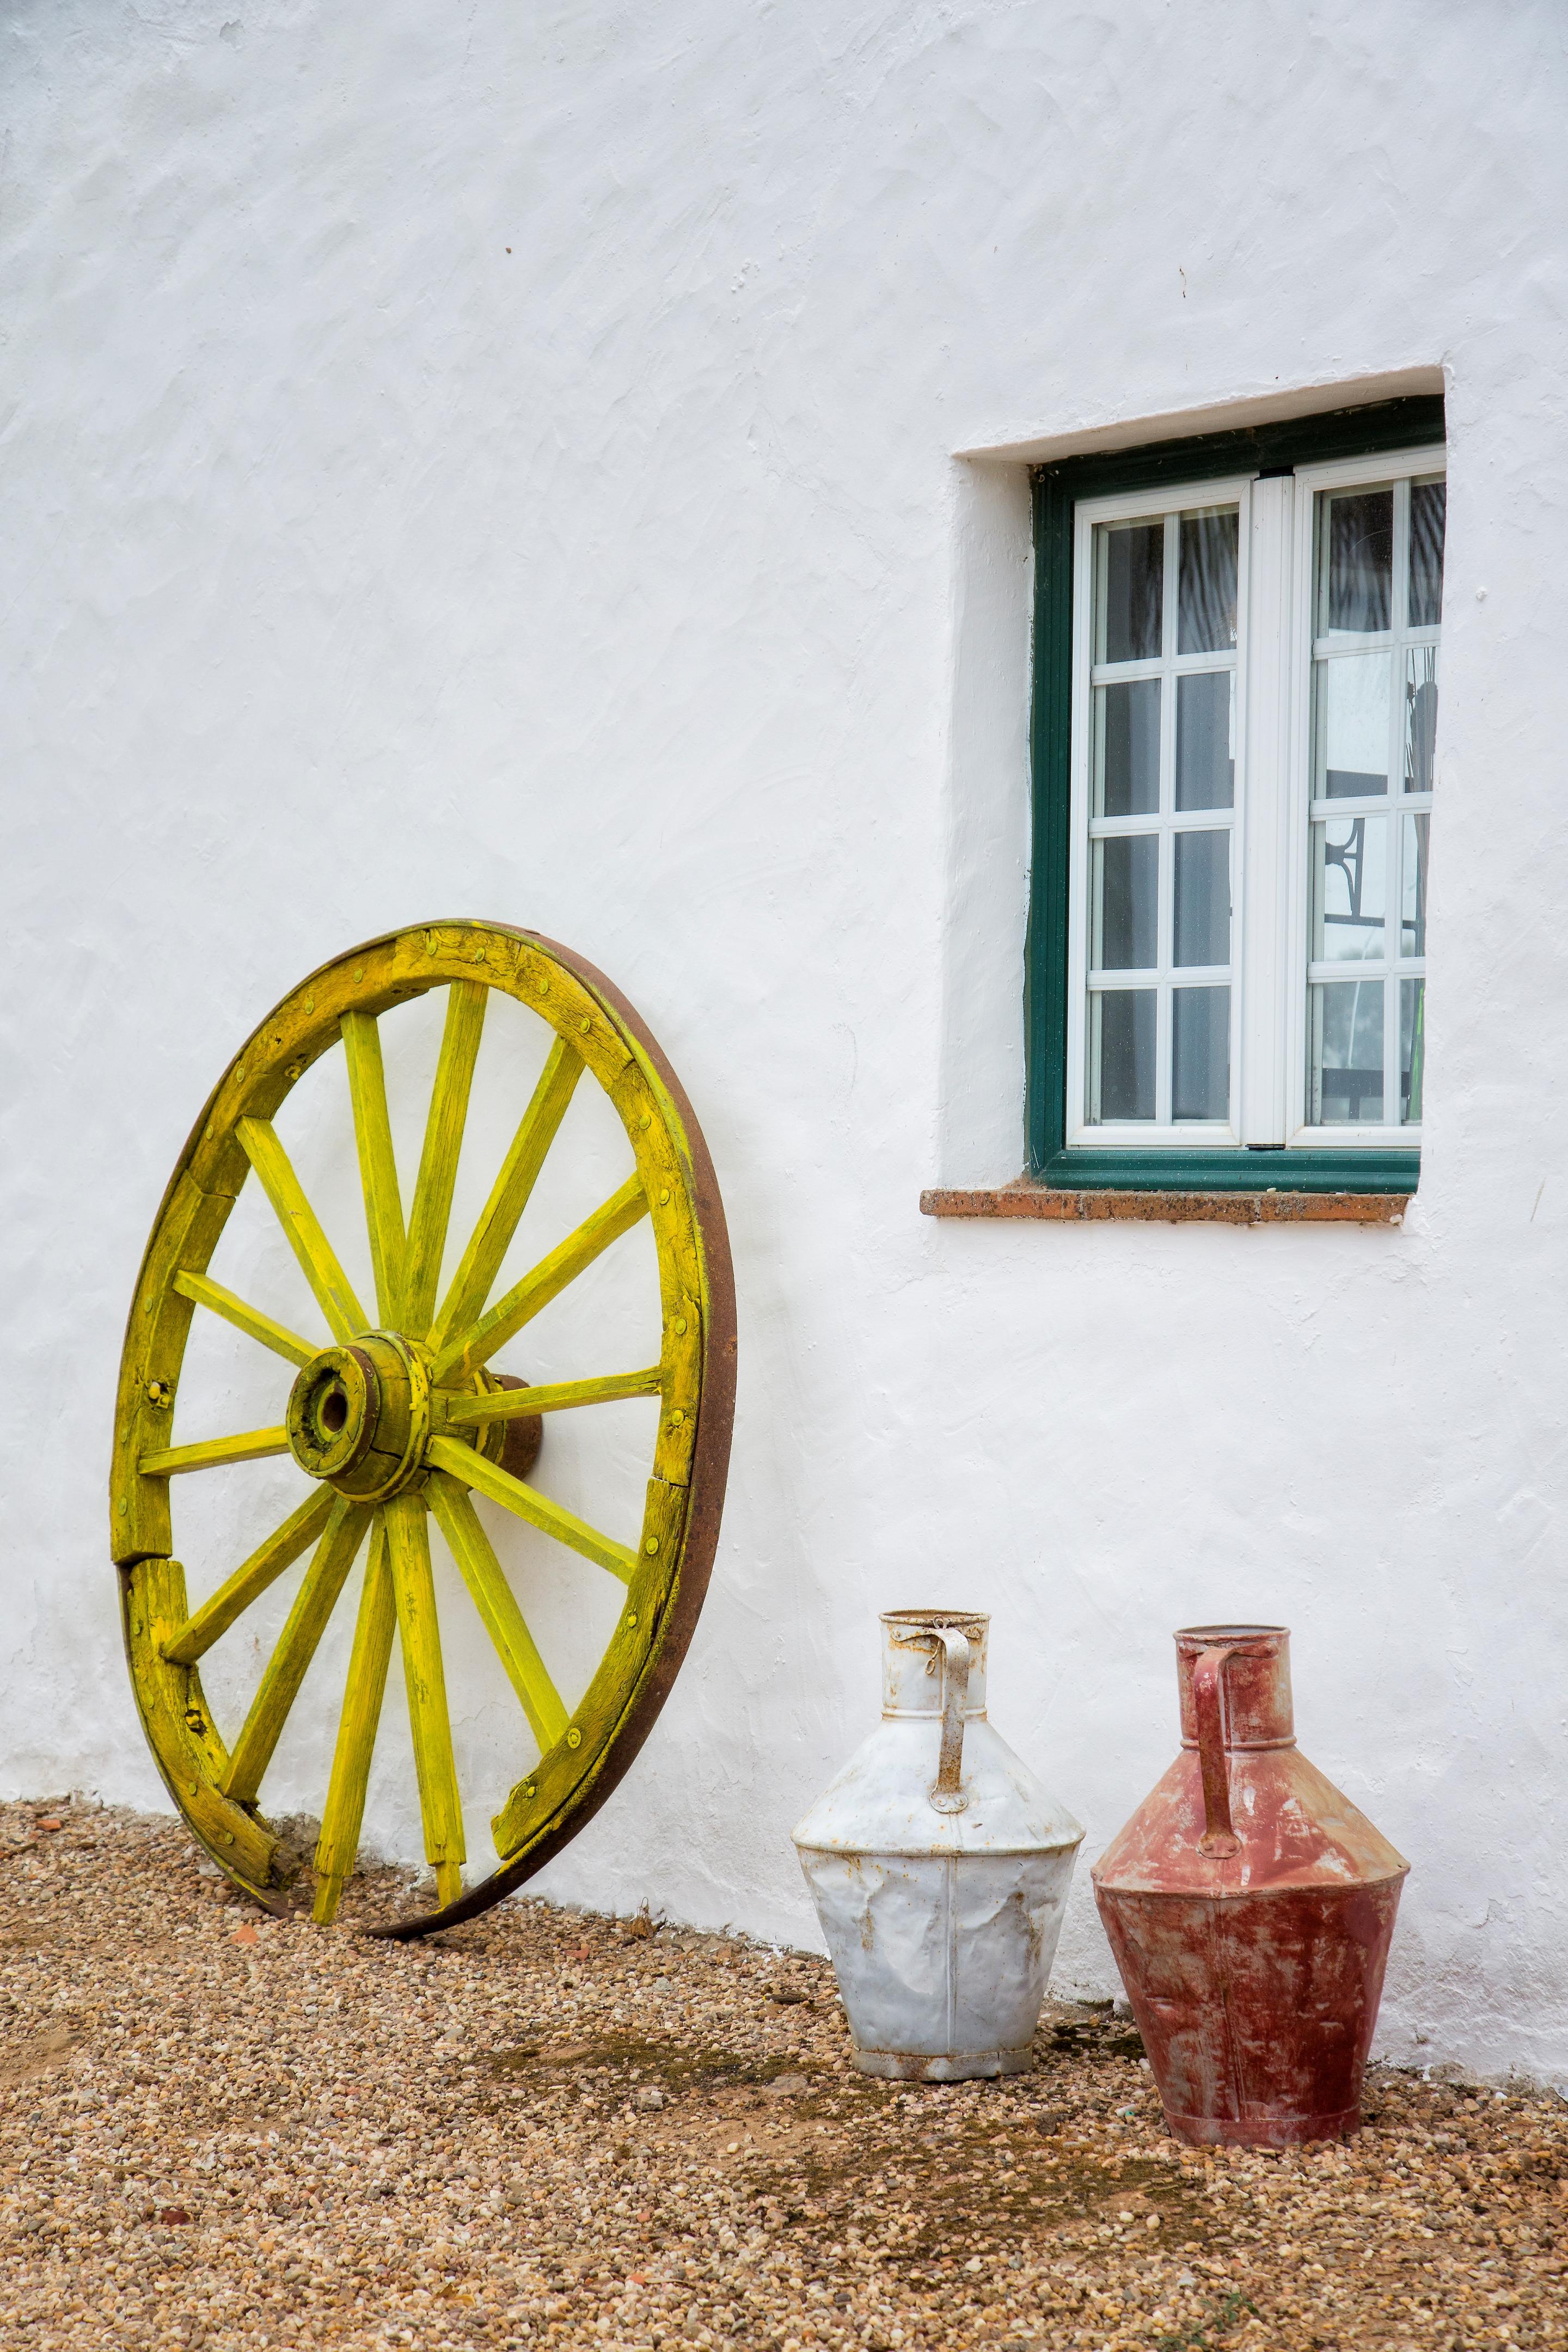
{"points": [[1250, 1907]]}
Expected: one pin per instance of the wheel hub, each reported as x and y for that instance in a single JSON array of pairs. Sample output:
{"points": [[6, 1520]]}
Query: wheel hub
{"points": [[359, 1416]]}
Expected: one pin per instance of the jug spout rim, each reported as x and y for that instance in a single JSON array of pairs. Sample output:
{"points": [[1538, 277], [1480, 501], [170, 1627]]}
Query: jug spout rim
{"points": [[1212, 1636], [961, 1620]]}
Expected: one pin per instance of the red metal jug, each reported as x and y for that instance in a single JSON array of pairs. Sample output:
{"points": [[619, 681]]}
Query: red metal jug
{"points": [[1250, 1908]]}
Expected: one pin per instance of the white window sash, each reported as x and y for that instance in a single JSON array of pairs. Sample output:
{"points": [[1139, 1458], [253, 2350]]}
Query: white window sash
{"points": [[1387, 466], [1145, 1135]]}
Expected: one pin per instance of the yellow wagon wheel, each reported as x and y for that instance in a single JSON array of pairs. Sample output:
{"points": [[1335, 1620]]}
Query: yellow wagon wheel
{"points": [[402, 1418]]}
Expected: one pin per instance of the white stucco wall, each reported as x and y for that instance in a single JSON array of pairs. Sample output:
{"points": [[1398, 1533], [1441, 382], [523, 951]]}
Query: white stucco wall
{"points": [[504, 461]]}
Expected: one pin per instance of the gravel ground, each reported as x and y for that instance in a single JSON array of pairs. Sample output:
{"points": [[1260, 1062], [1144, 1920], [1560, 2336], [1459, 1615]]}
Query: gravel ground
{"points": [[220, 2129]]}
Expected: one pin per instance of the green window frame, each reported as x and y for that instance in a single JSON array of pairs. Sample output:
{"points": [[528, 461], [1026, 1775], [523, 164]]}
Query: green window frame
{"points": [[1266, 450]]}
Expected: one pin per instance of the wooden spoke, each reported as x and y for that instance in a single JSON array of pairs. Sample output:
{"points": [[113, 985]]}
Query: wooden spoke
{"points": [[249, 1445], [250, 1579], [472, 1284], [438, 1163], [307, 1622], [487, 1478], [245, 1319], [345, 1317], [496, 1604], [517, 1404], [408, 1550], [377, 1165], [338, 1846], [466, 1352]]}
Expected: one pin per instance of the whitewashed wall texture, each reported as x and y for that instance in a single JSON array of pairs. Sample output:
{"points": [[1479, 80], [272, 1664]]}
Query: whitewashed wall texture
{"points": [[509, 461]]}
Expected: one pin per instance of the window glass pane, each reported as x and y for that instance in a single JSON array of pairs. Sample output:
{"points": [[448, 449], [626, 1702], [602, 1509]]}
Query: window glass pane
{"points": [[1126, 901], [1200, 1074], [1349, 902], [1131, 591], [1121, 1039], [1127, 748], [1413, 887], [1205, 596], [1420, 716], [1347, 1053], [1428, 512], [1352, 713], [1412, 1047], [1355, 558], [1203, 898], [1206, 739]]}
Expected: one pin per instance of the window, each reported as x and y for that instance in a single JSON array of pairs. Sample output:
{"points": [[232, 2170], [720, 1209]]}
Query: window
{"points": [[1235, 716]]}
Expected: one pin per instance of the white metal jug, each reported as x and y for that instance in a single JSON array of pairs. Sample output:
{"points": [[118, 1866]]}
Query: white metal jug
{"points": [[939, 1867]]}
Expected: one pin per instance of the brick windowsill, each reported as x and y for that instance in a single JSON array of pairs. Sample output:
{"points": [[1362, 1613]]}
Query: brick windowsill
{"points": [[1054, 1205]]}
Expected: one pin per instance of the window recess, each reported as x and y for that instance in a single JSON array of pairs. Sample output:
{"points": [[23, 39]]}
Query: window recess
{"points": [[1235, 700]]}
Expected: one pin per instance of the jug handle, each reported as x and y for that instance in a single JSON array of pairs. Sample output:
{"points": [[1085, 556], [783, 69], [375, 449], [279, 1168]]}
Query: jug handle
{"points": [[944, 1793], [1219, 1839]]}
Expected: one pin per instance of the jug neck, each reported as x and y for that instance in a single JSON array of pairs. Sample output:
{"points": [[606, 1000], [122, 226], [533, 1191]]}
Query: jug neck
{"points": [[1254, 1680], [912, 1678]]}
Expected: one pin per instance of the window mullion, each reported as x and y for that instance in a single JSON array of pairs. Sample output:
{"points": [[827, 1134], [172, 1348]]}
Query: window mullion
{"points": [[1079, 1061], [1165, 949], [1268, 870], [1394, 912]]}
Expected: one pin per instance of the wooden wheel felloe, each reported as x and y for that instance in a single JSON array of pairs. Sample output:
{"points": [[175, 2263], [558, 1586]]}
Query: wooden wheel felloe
{"points": [[399, 1417]]}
